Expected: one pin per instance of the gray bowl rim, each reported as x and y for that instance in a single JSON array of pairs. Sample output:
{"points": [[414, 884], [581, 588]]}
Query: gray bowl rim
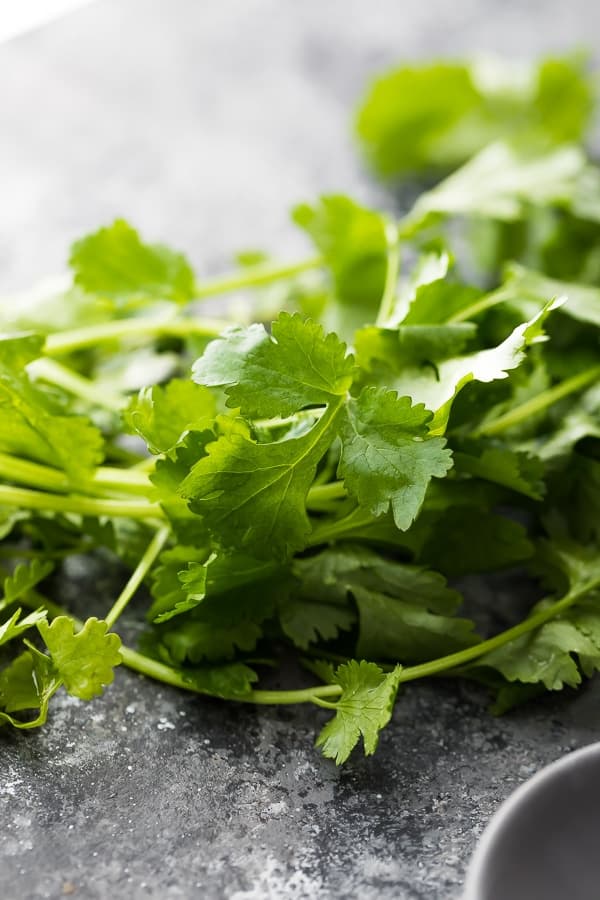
{"points": [[476, 873]]}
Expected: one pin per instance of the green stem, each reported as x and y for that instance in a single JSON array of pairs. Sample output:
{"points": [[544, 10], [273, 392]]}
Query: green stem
{"points": [[323, 493], [390, 288], [537, 404], [453, 660], [255, 277], [78, 504], [132, 480], [67, 341], [55, 373], [306, 695], [161, 672], [479, 306], [105, 478], [138, 574], [332, 531]]}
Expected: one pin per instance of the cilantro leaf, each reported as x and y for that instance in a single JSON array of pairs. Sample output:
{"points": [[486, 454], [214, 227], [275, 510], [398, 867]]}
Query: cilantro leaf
{"points": [[253, 496], [23, 579], [387, 459], [550, 653], [30, 421], [465, 540], [84, 660], [501, 183], [410, 345], [15, 626], [437, 387], [230, 680], [364, 708], [163, 415], [115, 262], [186, 575], [430, 117], [277, 374], [27, 683], [395, 628], [168, 593], [306, 621], [513, 469], [522, 284], [210, 640], [353, 242], [219, 626]]}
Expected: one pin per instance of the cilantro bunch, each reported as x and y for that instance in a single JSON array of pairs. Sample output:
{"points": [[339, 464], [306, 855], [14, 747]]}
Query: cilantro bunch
{"points": [[313, 472]]}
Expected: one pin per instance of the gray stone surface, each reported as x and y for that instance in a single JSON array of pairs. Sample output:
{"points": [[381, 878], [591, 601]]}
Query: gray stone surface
{"points": [[203, 122]]}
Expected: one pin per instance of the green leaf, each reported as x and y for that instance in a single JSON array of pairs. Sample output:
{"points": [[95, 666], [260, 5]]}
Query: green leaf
{"points": [[501, 183], [253, 496], [522, 285], [436, 387], [501, 465], [410, 345], [387, 458], [114, 262], [31, 424], [435, 116], [307, 621], [431, 295], [405, 611], [353, 242], [218, 628], [15, 626], [277, 374], [186, 575], [210, 640], [83, 660], [168, 593], [400, 630], [27, 683], [466, 540], [162, 416], [25, 577], [9, 518], [231, 680], [364, 708], [549, 654]]}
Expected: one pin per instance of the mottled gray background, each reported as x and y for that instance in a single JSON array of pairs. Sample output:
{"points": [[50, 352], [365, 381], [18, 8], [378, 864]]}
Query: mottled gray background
{"points": [[202, 123]]}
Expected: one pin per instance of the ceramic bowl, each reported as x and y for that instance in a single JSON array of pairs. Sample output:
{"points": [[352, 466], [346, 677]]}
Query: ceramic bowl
{"points": [[544, 841]]}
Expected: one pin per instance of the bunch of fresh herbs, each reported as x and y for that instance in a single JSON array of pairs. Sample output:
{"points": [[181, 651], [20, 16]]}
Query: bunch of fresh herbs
{"points": [[417, 401]]}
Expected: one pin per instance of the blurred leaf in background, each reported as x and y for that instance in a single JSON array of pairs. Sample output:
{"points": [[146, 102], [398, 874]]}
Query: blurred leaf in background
{"points": [[428, 119]]}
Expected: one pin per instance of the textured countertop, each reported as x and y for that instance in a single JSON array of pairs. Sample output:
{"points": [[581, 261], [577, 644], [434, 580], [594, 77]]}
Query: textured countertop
{"points": [[202, 123]]}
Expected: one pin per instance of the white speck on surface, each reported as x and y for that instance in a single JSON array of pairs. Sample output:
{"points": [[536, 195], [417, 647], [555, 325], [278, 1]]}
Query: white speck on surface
{"points": [[165, 725]]}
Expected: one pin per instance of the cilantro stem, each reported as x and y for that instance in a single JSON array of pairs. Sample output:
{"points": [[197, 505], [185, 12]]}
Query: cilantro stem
{"points": [[305, 695], [453, 660], [159, 671], [323, 493], [76, 339], [105, 478], [254, 276], [331, 531], [55, 373], [132, 480], [388, 299], [540, 402], [138, 574], [479, 306], [78, 504]]}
